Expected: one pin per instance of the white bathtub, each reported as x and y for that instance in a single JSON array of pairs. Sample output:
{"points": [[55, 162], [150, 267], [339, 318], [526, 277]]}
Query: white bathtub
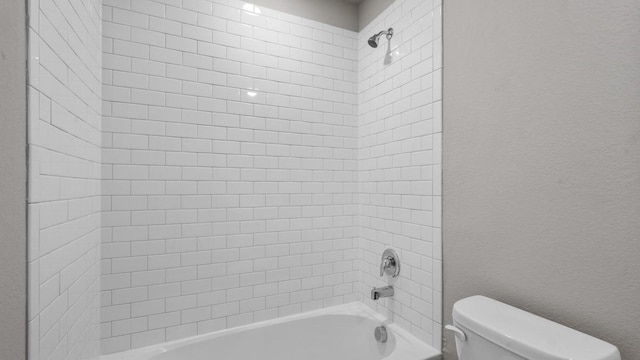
{"points": [[344, 332]]}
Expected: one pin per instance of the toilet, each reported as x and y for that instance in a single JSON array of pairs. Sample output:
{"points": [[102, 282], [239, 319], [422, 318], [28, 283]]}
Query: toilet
{"points": [[486, 329]]}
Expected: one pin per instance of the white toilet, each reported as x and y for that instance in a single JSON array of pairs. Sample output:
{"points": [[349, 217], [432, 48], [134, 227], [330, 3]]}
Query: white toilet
{"points": [[487, 329]]}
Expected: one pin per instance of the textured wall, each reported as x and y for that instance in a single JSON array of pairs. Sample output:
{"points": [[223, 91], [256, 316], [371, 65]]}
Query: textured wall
{"points": [[542, 161], [13, 172], [369, 10], [399, 163], [64, 178], [338, 13], [230, 168]]}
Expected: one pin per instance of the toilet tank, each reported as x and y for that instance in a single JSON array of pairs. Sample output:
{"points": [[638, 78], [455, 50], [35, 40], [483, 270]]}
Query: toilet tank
{"points": [[494, 330]]}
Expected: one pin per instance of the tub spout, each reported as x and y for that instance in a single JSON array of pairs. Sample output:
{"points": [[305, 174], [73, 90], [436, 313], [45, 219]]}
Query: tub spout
{"points": [[377, 293]]}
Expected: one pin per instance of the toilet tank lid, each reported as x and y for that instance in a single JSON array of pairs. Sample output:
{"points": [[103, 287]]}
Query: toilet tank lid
{"points": [[526, 334]]}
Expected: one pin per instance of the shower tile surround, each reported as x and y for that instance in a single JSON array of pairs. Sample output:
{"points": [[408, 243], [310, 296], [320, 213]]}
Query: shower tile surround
{"points": [[64, 142], [230, 168], [399, 164], [256, 164]]}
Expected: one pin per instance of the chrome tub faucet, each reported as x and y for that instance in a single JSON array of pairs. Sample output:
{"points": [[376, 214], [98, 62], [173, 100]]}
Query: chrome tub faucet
{"points": [[390, 265], [383, 292]]}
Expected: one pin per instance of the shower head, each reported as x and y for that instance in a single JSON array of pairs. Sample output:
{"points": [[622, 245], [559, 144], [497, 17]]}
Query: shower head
{"points": [[373, 41]]}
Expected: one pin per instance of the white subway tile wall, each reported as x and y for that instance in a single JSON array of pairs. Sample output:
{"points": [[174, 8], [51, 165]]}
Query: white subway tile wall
{"points": [[399, 163], [230, 168], [64, 141]]}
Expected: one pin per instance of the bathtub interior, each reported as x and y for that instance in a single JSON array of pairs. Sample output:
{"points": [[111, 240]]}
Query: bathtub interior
{"points": [[339, 332], [323, 337]]}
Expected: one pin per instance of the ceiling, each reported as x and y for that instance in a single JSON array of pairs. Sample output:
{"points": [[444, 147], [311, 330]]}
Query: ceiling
{"points": [[355, 2]]}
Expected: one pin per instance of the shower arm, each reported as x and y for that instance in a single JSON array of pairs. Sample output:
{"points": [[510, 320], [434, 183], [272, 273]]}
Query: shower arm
{"points": [[388, 33], [373, 41]]}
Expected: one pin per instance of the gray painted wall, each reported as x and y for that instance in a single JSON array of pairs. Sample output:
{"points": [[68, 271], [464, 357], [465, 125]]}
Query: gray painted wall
{"points": [[13, 177], [542, 161], [369, 10], [333, 12], [341, 13]]}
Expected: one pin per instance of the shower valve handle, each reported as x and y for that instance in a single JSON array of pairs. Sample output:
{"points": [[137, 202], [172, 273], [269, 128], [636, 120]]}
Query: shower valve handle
{"points": [[387, 263], [390, 263]]}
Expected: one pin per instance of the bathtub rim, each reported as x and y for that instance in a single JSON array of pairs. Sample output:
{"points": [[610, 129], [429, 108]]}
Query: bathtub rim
{"points": [[355, 308]]}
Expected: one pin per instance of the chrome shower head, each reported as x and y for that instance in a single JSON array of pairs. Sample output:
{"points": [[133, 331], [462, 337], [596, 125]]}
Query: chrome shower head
{"points": [[373, 41]]}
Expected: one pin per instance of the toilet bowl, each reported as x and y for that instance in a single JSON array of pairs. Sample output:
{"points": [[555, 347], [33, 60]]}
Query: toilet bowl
{"points": [[486, 329]]}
